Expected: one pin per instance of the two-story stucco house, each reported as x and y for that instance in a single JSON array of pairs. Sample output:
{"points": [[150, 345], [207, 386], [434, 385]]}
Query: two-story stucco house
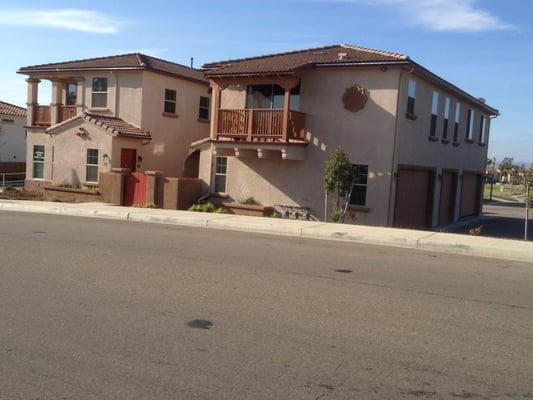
{"points": [[128, 111], [12, 138], [417, 142]]}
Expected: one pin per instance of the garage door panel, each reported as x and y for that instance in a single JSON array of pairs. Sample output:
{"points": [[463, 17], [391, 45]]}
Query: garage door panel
{"points": [[413, 198], [470, 194], [447, 198]]}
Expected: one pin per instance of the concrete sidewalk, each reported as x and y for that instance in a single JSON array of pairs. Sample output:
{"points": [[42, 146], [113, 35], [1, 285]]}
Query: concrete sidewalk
{"points": [[424, 240]]}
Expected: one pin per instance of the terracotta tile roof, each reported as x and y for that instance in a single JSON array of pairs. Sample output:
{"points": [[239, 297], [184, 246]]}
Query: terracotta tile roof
{"points": [[286, 63], [136, 61], [10, 109], [117, 126]]}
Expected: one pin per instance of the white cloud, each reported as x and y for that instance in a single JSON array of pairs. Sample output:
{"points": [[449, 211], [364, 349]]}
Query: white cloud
{"points": [[71, 19], [441, 15]]}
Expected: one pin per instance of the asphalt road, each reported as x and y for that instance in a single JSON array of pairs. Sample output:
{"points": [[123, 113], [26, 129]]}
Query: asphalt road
{"points": [[95, 309]]}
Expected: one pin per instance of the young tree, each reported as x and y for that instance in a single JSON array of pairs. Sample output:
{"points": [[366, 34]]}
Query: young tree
{"points": [[338, 178]]}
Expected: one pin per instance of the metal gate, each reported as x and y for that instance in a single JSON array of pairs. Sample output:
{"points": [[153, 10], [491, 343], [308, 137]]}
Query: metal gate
{"points": [[135, 189]]}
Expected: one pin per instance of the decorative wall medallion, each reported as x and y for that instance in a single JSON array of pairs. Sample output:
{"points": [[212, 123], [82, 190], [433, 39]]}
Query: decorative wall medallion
{"points": [[355, 98]]}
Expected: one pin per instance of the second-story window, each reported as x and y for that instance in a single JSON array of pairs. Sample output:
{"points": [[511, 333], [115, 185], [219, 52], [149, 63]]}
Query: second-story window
{"points": [[411, 94], [170, 101], [203, 110], [469, 124], [271, 96], [457, 120], [99, 95], [434, 113], [72, 92], [446, 118], [482, 129]]}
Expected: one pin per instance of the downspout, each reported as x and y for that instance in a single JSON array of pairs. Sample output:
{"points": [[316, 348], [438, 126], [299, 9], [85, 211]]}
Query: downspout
{"points": [[395, 144]]}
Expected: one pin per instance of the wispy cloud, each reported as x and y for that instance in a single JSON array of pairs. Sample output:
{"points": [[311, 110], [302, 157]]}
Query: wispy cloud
{"points": [[441, 15], [71, 19]]}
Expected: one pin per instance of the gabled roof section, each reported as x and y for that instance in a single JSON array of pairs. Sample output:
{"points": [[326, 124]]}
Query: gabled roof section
{"points": [[114, 125], [133, 61], [291, 62], [12, 110]]}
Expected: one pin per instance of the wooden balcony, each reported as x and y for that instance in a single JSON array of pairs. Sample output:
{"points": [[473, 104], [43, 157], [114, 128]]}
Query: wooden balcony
{"points": [[42, 116], [260, 125], [66, 112]]}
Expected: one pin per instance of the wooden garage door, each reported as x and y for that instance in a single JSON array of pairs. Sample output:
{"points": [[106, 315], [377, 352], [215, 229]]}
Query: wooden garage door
{"points": [[470, 194], [447, 198], [414, 194]]}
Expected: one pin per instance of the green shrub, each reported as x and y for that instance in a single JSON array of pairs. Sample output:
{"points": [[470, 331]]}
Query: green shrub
{"points": [[208, 208], [249, 201]]}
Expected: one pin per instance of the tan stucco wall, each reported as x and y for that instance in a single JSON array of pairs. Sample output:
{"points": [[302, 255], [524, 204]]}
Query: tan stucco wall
{"points": [[66, 153], [367, 137], [12, 139], [415, 148], [171, 137], [138, 98]]}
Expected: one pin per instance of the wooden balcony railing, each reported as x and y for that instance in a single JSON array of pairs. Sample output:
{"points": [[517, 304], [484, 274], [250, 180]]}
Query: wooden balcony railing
{"points": [[66, 112], [260, 124], [41, 115]]}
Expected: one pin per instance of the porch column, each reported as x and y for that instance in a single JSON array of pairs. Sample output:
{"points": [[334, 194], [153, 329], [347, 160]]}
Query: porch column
{"points": [[286, 110], [80, 95], [217, 94], [32, 99], [57, 92]]}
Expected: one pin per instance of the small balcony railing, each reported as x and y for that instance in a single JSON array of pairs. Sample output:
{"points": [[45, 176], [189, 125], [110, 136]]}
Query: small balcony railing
{"points": [[41, 115], [260, 125], [66, 112]]}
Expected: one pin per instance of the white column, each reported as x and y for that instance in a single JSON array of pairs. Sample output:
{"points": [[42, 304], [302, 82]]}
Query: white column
{"points": [[80, 95]]}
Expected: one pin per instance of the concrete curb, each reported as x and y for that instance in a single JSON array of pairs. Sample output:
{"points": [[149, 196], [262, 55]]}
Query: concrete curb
{"points": [[424, 240]]}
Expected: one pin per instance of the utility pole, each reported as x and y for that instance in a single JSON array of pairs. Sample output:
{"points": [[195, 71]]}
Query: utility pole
{"points": [[493, 174], [527, 212]]}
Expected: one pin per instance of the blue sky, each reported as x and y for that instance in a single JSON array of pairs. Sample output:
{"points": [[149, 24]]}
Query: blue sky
{"points": [[483, 46]]}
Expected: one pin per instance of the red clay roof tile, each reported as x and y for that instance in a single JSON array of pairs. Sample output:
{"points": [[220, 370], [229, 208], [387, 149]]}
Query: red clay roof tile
{"points": [[11, 109]]}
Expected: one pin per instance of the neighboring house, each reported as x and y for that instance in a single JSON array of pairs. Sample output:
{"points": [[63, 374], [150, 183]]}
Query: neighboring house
{"points": [[417, 142], [12, 138], [127, 111]]}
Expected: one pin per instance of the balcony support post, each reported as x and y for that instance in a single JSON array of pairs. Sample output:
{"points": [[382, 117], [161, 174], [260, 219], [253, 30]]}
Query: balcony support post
{"points": [[32, 99], [250, 127], [217, 95], [286, 110], [57, 92], [80, 95]]}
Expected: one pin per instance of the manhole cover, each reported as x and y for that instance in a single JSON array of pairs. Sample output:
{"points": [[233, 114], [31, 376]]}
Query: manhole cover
{"points": [[200, 324], [344, 271]]}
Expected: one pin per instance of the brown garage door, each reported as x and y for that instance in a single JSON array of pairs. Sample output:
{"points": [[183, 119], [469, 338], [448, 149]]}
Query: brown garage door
{"points": [[447, 197], [414, 194], [470, 194]]}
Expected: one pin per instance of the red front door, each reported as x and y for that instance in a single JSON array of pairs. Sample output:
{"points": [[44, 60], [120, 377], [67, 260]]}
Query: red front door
{"points": [[128, 159]]}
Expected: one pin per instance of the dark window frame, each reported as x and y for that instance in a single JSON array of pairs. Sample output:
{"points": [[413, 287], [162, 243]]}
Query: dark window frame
{"points": [[360, 189], [203, 109], [169, 106]]}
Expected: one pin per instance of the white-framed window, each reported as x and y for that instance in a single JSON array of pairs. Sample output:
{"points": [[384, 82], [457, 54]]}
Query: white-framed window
{"points": [[358, 196], [221, 174], [203, 110], [170, 101], [470, 124], [434, 113], [446, 118], [38, 161], [457, 121], [91, 169], [99, 93], [411, 96]]}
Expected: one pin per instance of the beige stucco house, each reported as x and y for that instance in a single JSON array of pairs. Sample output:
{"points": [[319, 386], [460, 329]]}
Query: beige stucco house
{"points": [[12, 138], [128, 111], [418, 143]]}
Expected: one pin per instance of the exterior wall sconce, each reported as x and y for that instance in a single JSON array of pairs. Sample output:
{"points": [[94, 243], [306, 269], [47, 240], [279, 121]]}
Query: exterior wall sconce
{"points": [[139, 159], [81, 133]]}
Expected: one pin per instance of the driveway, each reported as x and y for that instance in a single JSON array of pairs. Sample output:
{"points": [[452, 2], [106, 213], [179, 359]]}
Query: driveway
{"points": [[500, 219]]}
